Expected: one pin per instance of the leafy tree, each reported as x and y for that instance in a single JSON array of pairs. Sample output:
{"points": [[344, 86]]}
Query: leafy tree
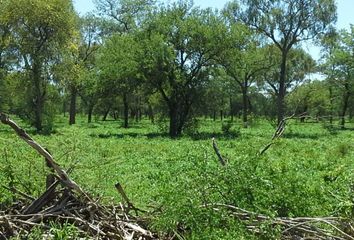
{"points": [[329, 44], [243, 61], [40, 29], [342, 69], [7, 54], [118, 64], [299, 65], [181, 43], [78, 58], [311, 98], [128, 14], [287, 23]]}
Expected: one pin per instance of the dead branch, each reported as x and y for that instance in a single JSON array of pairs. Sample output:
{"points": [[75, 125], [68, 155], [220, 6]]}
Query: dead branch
{"points": [[49, 159], [216, 149], [292, 228], [278, 133], [64, 201]]}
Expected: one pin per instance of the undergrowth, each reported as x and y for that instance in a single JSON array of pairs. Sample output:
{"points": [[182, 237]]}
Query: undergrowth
{"points": [[308, 172]]}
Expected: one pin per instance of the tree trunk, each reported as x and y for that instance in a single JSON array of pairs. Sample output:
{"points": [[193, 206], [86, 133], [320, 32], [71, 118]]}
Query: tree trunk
{"points": [[221, 115], [303, 118], [244, 107], [64, 108], [214, 115], [89, 113], [72, 112], [126, 110], [151, 113], [331, 102], [345, 105], [105, 115], [38, 98], [231, 110], [282, 87], [173, 122]]}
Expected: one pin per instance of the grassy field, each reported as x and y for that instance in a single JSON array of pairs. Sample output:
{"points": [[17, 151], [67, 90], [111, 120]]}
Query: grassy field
{"points": [[308, 172]]}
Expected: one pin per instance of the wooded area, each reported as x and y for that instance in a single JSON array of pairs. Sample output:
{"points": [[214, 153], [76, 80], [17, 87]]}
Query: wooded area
{"points": [[139, 58], [185, 122]]}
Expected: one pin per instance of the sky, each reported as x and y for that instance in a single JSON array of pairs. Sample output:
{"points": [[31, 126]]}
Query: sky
{"points": [[344, 10]]}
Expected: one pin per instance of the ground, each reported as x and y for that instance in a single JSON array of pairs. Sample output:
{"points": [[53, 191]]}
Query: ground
{"points": [[308, 172]]}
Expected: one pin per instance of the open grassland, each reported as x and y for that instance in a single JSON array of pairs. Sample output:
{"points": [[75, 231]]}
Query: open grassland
{"points": [[308, 172]]}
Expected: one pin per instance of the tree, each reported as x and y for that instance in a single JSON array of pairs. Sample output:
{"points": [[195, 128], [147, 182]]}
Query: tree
{"points": [[299, 65], [181, 43], [329, 44], [118, 64], [128, 14], [7, 53], [243, 61], [78, 58], [342, 69], [287, 23], [40, 29], [311, 98]]}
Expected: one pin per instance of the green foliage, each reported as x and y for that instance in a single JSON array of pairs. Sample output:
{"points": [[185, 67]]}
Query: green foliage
{"points": [[306, 173], [179, 45], [228, 129]]}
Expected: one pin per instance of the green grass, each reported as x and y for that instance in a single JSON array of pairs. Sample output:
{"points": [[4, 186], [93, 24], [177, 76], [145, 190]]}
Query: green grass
{"points": [[309, 172]]}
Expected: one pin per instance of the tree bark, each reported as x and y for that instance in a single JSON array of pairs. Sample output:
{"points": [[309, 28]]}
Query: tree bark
{"points": [[345, 105], [151, 113], [331, 102], [173, 132], [38, 97], [72, 112], [282, 87], [126, 110], [231, 110], [244, 107], [89, 113], [105, 115]]}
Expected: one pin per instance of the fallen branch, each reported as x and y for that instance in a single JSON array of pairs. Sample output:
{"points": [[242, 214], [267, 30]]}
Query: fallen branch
{"points": [[216, 149], [126, 199], [292, 228], [64, 201], [42, 151], [278, 133]]}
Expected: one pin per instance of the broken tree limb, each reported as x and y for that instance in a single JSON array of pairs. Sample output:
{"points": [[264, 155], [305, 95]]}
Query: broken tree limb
{"points": [[16, 191], [278, 133], [216, 149], [63, 176], [291, 228], [126, 199]]}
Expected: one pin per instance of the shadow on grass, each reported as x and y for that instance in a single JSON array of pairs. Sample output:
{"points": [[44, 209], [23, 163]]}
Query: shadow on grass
{"points": [[304, 135], [219, 135], [132, 135], [197, 136]]}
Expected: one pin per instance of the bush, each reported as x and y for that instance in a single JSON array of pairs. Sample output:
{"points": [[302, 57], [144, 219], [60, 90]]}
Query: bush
{"points": [[228, 129]]}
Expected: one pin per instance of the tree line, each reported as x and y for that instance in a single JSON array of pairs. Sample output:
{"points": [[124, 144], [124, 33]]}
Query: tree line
{"points": [[135, 58]]}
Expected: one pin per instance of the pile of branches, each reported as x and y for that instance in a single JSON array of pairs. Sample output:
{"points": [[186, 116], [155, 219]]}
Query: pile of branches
{"points": [[333, 228], [329, 228], [64, 201]]}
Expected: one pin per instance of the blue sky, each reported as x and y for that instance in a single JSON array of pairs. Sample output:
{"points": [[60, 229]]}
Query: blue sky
{"points": [[345, 8], [345, 14]]}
